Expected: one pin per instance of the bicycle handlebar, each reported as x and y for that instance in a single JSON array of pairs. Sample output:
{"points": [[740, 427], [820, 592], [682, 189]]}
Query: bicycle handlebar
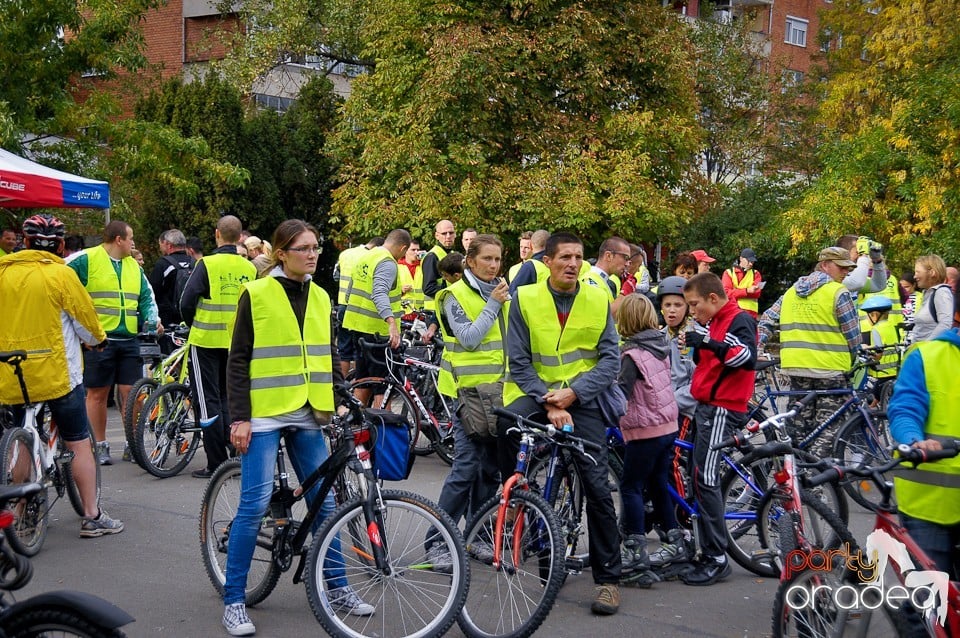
{"points": [[549, 430], [907, 453]]}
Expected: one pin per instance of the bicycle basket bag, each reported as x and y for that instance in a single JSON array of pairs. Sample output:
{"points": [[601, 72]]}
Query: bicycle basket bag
{"points": [[392, 448]]}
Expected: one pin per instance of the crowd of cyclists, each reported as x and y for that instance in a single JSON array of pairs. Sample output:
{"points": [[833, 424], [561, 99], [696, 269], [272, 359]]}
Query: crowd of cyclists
{"points": [[579, 340]]}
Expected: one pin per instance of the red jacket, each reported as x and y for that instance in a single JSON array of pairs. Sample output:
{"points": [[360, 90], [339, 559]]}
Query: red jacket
{"points": [[724, 374]]}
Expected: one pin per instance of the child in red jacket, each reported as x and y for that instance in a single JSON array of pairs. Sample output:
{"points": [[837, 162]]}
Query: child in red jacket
{"points": [[725, 349]]}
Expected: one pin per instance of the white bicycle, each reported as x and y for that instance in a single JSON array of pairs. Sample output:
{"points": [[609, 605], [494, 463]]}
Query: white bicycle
{"points": [[33, 452]]}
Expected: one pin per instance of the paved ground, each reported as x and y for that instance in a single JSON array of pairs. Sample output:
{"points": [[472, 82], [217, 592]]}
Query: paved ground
{"points": [[153, 570]]}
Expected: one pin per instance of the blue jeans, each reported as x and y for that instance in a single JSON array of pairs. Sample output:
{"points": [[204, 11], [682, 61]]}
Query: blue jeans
{"points": [[306, 450], [938, 542]]}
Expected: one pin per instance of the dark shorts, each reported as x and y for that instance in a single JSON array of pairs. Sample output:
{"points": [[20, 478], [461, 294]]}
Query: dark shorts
{"points": [[118, 363], [344, 338], [365, 366], [70, 414]]}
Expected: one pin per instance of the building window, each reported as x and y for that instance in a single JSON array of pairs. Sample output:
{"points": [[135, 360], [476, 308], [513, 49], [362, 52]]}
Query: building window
{"points": [[789, 79], [796, 31]]}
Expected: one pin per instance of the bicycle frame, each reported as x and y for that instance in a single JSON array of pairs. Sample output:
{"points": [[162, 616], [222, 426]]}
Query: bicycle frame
{"points": [[44, 453]]}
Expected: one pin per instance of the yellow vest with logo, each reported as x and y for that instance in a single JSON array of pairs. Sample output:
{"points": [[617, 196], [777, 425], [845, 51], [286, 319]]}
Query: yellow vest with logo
{"points": [[462, 368], [113, 297], [932, 491], [287, 369], [560, 355], [598, 281], [885, 333], [429, 303], [361, 314], [213, 323], [415, 296], [744, 302], [892, 292], [347, 261], [810, 335]]}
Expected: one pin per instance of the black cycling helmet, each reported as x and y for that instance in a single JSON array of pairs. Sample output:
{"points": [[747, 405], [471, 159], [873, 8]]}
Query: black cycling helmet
{"points": [[671, 286], [877, 303], [44, 232]]}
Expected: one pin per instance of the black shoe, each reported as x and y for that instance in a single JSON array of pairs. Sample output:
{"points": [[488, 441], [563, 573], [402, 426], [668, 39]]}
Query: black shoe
{"points": [[202, 474], [707, 572]]}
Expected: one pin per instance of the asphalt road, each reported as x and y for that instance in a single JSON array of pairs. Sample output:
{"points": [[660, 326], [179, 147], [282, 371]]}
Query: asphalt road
{"points": [[153, 570]]}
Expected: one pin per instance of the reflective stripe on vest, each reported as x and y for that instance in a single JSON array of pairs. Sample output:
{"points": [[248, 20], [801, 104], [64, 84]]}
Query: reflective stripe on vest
{"points": [[212, 325], [810, 335], [429, 303], [347, 261], [932, 491], [415, 296], [113, 296], [361, 314], [744, 302], [288, 370], [462, 368], [884, 333], [560, 355]]}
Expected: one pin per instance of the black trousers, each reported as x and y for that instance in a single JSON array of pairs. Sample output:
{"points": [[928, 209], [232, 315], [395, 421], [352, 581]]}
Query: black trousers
{"points": [[601, 515], [208, 383]]}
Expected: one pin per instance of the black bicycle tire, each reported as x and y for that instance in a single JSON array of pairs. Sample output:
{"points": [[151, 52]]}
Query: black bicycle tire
{"points": [[38, 503], [477, 528], [131, 414], [746, 558], [70, 482], [34, 622], [410, 411], [567, 498], [210, 544], [853, 486], [824, 511], [460, 576], [143, 432]]}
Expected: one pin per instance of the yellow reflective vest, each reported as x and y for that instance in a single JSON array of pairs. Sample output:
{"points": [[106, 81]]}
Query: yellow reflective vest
{"points": [[932, 491], [415, 296], [213, 323], [361, 314], [462, 368], [744, 302], [113, 297], [892, 292], [514, 269], [429, 303], [810, 335], [560, 355], [289, 369], [884, 333], [594, 278], [346, 261]]}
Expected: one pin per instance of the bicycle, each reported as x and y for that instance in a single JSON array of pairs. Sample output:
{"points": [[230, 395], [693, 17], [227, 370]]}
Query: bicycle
{"points": [[823, 615], [67, 613], [159, 370], [517, 546], [410, 389], [34, 453], [376, 538], [787, 516]]}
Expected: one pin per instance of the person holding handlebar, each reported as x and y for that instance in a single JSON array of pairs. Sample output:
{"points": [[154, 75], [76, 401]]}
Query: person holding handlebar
{"points": [[923, 413]]}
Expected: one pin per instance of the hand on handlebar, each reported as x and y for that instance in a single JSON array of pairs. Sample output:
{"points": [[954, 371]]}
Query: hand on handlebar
{"points": [[928, 445], [558, 417], [394, 334]]}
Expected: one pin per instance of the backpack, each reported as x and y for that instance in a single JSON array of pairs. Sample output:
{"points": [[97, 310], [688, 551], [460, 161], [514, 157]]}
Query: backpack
{"points": [[184, 265]]}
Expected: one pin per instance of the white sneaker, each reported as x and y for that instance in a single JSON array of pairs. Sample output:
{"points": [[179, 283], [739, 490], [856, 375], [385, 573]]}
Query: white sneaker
{"points": [[344, 599], [236, 621]]}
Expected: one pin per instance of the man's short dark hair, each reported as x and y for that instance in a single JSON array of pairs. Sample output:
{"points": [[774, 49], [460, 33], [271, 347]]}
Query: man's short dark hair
{"points": [[560, 238], [452, 264], [703, 284], [194, 244], [398, 237], [612, 244], [115, 229], [74, 243]]}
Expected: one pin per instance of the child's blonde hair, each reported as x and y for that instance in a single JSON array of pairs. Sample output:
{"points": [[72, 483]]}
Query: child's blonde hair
{"points": [[635, 314]]}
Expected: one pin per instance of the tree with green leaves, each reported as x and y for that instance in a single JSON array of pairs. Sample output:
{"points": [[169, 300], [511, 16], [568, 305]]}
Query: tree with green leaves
{"points": [[576, 115]]}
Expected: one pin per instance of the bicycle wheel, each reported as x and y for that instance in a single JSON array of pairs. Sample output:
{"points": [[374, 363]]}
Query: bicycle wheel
{"points": [[28, 531], [567, 499], [514, 599], [166, 438], [34, 622], [139, 394], [70, 483], [856, 444], [217, 509], [410, 598], [822, 527], [743, 489], [391, 397]]}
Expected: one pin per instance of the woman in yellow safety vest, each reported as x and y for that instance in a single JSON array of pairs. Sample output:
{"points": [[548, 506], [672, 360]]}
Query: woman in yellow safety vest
{"points": [[473, 322], [281, 371]]}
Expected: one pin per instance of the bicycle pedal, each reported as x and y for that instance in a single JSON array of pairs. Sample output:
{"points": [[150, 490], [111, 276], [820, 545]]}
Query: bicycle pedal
{"points": [[184, 446], [574, 564]]}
